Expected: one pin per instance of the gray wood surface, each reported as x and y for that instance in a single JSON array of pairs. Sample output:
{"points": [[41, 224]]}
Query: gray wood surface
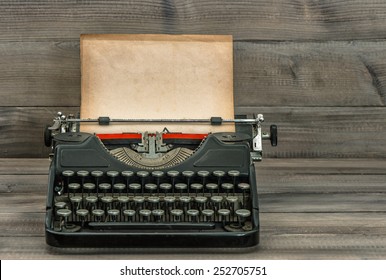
{"points": [[330, 209]]}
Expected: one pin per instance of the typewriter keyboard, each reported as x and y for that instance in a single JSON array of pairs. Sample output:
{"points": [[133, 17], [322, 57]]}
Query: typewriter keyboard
{"points": [[171, 200]]}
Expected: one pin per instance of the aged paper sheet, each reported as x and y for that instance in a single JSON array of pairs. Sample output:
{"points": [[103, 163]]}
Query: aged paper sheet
{"points": [[154, 77]]}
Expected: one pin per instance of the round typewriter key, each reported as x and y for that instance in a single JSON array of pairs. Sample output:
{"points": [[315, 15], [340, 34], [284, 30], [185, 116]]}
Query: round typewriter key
{"points": [[244, 187], [129, 213], [176, 214], [185, 199], [73, 187], [82, 214], [201, 201], [142, 174], [91, 202], [119, 187], [75, 202], [187, 173], [123, 199], [223, 213], [158, 214], [96, 173], [104, 187], [112, 173], [82, 173], [134, 187], [216, 201], [211, 187], [98, 214], [145, 213], [113, 214], [193, 215], [208, 214], [227, 187], [127, 173], [219, 173], [234, 173], [107, 202], [63, 214], [196, 187], [68, 173], [153, 202], [242, 214], [150, 187], [60, 205], [203, 173], [138, 202], [157, 174], [89, 187], [181, 187], [173, 173], [165, 187]]}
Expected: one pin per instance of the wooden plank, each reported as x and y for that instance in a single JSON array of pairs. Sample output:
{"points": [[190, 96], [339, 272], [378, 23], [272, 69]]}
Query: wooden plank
{"points": [[310, 74], [24, 166], [291, 246], [22, 130], [46, 73], [263, 20], [329, 132], [23, 184]]}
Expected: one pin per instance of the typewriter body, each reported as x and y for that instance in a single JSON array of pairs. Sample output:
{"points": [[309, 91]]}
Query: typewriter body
{"points": [[153, 189]]}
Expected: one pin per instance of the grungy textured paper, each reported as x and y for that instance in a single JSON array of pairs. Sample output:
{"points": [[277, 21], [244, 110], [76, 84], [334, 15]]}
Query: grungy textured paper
{"points": [[157, 77]]}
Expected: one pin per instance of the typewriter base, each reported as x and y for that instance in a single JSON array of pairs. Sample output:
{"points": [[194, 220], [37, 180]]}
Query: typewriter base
{"points": [[153, 239]]}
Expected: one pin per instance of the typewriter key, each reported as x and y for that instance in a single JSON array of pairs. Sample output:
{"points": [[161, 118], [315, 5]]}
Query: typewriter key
{"points": [[60, 205], [181, 187], [73, 187], [188, 175], [89, 187], [98, 214], [203, 174], [129, 213], [68, 174], [232, 203], [123, 200], [176, 214], [165, 187], [234, 174], [134, 187], [211, 187], [91, 202], [119, 187], [82, 173], [145, 214], [196, 187], [244, 187], [127, 174], [107, 202], [143, 175], [208, 214], [104, 187], [216, 202], [193, 215], [201, 201], [158, 214], [113, 214], [153, 202], [150, 188], [173, 174], [82, 213], [219, 174], [223, 214], [75, 203], [97, 174], [242, 214], [157, 175], [63, 214], [227, 187], [112, 174]]}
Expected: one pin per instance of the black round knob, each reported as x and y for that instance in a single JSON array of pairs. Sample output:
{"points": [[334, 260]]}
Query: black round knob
{"points": [[273, 133], [47, 136]]}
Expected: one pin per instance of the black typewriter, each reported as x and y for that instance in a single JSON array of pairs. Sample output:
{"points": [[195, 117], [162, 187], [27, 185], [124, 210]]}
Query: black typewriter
{"points": [[159, 189]]}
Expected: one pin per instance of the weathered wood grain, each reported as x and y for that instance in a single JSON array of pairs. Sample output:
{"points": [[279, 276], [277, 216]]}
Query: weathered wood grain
{"points": [[263, 20], [46, 73], [329, 132], [22, 128], [291, 246]]}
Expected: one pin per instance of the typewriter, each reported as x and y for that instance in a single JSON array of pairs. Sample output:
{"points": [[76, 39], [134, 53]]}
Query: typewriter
{"points": [[162, 189]]}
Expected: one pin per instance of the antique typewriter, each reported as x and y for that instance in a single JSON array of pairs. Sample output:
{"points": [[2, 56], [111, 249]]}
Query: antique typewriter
{"points": [[162, 189]]}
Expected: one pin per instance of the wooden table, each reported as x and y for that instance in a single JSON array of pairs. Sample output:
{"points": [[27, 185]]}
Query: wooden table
{"points": [[310, 209]]}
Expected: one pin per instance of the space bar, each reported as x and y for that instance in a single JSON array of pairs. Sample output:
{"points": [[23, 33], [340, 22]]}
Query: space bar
{"points": [[151, 226]]}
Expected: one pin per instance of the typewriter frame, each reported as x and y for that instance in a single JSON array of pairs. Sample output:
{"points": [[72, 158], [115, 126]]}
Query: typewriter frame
{"points": [[67, 142]]}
